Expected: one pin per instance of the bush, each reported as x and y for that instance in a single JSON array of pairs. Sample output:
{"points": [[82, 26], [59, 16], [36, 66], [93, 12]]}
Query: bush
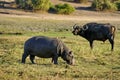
{"points": [[17, 1], [107, 5], [33, 4], [117, 3], [52, 8], [24, 4], [20, 3], [103, 5], [97, 5], [43, 5], [64, 9]]}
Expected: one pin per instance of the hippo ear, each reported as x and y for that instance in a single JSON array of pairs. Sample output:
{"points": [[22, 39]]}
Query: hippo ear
{"points": [[70, 52]]}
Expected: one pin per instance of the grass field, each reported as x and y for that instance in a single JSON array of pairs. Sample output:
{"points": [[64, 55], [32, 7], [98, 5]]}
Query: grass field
{"points": [[97, 64]]}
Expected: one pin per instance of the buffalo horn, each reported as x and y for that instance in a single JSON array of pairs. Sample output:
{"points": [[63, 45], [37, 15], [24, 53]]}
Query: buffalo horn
{"points": [[85, 28], [74, 26]]}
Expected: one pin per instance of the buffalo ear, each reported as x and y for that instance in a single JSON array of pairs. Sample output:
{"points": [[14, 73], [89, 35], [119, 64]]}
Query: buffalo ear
{"points": [[78, 27]]}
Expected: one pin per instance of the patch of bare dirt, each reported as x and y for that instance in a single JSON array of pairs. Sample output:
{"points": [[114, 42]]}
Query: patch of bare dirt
{"points": [[82, 13]]}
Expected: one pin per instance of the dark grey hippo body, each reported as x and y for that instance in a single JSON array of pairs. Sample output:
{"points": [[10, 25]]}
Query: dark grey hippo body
{"points": [[46, 47]]}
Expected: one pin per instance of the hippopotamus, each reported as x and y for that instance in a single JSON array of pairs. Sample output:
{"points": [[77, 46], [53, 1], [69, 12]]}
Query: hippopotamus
{"points": [[46, 47]]}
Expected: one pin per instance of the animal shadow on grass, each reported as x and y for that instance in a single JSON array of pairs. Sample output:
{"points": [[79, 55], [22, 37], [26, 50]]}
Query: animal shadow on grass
{"points": [[117, 67], [16, 33], [39, 64], [44, 65], [84, 8]]}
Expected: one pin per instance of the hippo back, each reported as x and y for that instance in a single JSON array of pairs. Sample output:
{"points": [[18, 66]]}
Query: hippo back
{"points": [[42, 46]]}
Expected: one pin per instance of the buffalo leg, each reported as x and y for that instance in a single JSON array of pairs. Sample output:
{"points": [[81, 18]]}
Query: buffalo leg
{"points": [[24, 56], [52, 60], [91, 44], [112, 43], [32, 57]]}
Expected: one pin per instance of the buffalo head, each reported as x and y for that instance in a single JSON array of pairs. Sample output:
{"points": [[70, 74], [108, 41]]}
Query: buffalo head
{"points": [[77, 30]]}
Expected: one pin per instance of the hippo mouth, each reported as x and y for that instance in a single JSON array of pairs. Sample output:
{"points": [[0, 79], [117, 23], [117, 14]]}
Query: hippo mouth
{"points": [[68, 62]]}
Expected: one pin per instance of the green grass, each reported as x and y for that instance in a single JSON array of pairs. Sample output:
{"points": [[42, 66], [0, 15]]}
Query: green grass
{"points": [[97, 64]]}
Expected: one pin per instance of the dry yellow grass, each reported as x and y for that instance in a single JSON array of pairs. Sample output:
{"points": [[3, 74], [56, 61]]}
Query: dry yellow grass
{"points": [[98, 64]]}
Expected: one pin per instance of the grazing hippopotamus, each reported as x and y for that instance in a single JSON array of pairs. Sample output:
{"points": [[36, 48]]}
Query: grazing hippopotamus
{"points": [[46, 47]]}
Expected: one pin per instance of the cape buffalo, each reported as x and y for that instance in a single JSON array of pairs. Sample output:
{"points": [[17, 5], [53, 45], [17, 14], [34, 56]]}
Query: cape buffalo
{"points": [[96, 31], [46, 47]]}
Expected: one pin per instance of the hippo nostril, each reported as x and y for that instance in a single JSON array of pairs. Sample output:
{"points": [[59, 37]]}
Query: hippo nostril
{"points": [[68, 62], [71, 63]]}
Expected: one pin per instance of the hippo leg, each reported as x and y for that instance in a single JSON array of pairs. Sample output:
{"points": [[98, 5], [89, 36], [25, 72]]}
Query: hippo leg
{"points": [[24, 56], [32, 57], [55, 59]]}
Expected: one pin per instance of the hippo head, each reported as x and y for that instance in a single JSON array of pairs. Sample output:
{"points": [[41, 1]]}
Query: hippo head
{"points": [[68, 57]]}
